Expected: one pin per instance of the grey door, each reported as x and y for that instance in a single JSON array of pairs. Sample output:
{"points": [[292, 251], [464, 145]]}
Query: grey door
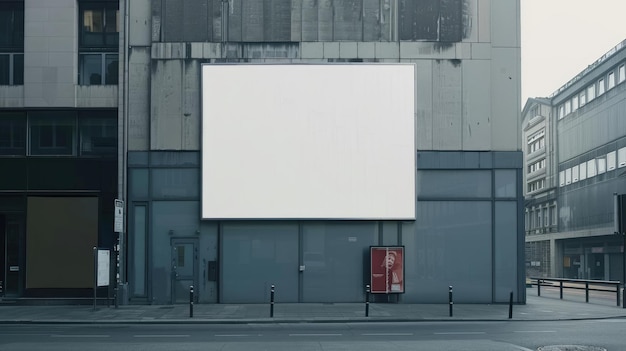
{"points": [[184, 269], [11, 274]]}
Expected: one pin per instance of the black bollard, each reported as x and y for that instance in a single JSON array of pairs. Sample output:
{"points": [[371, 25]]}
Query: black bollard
{"points": [[450, 299], [190, 301], [511, 305], [272, 302], [367, 300]]}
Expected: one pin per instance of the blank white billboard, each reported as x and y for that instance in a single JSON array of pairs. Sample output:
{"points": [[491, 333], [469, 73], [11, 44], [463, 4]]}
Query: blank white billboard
{"points": [[308, 141]]}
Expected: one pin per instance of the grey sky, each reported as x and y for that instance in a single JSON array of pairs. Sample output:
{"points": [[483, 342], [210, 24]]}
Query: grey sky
{"points": [[562, 37]]}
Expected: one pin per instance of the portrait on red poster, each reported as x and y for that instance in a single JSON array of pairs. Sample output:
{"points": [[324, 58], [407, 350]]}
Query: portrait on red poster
{"points": [[387, 269]]}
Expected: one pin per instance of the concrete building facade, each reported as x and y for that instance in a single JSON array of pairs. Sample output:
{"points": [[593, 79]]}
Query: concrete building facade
{"points": [[570, 221], [468, 228]]}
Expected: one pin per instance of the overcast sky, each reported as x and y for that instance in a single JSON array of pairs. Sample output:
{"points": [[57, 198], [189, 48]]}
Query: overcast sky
{"points": [[562, 37]]}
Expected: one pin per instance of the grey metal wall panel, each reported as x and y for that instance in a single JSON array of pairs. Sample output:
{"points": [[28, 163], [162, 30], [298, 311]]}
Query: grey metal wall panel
{"points": [[325, 20], [424, 105], [277, 20], [476, 105], [296, 20], [505, 251], [374, 20], [139, 98], [450, 243], [166, 106], [172, 20], [450, 20], [234, 20], [333, 256], [447, 107], [196, 22], [310, 22], [140, 32], [505, 99], [348, 20], [191, 106], [252, 20], [256, 255]]}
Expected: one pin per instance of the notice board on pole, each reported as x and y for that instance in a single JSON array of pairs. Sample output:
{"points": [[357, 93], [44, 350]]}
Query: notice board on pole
{"points": [[387, 269], [103, 267]]}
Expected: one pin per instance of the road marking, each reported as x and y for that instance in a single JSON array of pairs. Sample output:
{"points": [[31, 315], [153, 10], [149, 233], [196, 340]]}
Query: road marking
{"points": [[161, 336], [233, 335], [79, 336], [460, 333], [315, 334], [388, 334], [535, 331]]}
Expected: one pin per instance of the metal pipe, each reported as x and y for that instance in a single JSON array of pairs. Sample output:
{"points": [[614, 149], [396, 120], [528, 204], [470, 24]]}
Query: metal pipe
{"points": [[272, 302], [367, 300], [451, 303], [191, 301]]}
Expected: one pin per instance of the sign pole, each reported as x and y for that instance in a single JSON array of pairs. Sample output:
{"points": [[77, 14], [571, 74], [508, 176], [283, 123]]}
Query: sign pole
{"points": [[95, 275]]}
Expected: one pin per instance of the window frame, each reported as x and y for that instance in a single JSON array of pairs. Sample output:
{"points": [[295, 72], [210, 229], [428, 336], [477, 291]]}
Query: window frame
{"points": [[103, 50]]}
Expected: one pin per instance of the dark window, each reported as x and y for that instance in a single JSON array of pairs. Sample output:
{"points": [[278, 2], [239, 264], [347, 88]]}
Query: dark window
{"points": [[52, 133], [98, 42], [98, 133], [12, 133], [11, 42]]}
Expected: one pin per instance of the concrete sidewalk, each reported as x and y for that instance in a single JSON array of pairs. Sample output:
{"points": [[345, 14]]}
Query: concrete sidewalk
{"points": [[544, 308]]}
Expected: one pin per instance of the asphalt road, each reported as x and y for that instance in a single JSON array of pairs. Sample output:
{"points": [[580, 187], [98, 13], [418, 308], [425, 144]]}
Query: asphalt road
{"points": [[501, 336]]}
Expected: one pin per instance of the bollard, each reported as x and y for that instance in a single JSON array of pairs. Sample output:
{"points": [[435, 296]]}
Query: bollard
{"points": [[587, 292], [367, 300], [450, 299], [511, 305], [190, 301], [561, 290], [538, 287], [272, 302]]}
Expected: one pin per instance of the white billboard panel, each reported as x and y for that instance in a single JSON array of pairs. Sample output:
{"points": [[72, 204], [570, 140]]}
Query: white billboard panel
{"points": [[308, 141]]}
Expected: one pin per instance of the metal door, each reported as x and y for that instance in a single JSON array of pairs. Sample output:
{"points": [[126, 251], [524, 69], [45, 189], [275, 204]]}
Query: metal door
{"points": [[11, 275], [184, 269]]}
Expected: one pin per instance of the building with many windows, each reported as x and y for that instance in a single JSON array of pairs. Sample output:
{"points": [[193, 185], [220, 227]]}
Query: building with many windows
{"points": [[569, 218], [118, 100]]}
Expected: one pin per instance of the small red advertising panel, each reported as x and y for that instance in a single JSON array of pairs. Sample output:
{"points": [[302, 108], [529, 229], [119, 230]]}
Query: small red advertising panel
{"points": [[387, 269]]}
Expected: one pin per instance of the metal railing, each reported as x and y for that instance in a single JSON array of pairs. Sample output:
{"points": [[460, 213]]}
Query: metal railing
{"points": [[578, 284]]}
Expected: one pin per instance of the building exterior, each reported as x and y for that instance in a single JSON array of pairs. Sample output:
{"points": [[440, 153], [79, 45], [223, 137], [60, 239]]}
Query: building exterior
{"points": [[585, 151], [468, 225]]}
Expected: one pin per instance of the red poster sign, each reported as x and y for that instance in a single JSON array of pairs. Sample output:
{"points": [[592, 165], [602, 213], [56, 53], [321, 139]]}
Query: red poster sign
{"points": [[387, 269]]}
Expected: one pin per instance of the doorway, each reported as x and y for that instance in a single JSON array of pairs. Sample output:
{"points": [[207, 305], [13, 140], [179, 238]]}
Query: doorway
{"points": [[184, 269], [11, 272]]}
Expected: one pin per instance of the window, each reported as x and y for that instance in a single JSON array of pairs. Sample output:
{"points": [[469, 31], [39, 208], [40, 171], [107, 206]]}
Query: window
{"points": [[568, 108], [12, 133], [621, 157], [601, 162], [591, 92], [568, 176], [621, 74], [611, 80], [575, 174], [98, 134], [553, 215], [601, 87], [582, 168], [98, 58], [610, 161], [562, 178], [52, 133], [583, 99], [561, 111], [591, 168], [575, 103], [11, 42]]}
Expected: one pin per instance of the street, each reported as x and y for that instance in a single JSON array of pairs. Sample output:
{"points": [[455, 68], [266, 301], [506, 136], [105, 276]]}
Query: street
{"points": [[484, 336]]}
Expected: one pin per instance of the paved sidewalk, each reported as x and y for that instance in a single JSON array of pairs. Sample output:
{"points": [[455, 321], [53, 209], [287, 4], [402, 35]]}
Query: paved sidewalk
{"points": [[546, 307]]}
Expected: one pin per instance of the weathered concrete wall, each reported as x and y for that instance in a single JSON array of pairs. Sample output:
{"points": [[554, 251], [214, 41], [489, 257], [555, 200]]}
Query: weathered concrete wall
{"points": [[468, 91]]}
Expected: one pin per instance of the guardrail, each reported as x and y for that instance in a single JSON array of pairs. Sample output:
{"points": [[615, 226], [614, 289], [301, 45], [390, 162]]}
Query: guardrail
{"points": [[579, 284]]}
